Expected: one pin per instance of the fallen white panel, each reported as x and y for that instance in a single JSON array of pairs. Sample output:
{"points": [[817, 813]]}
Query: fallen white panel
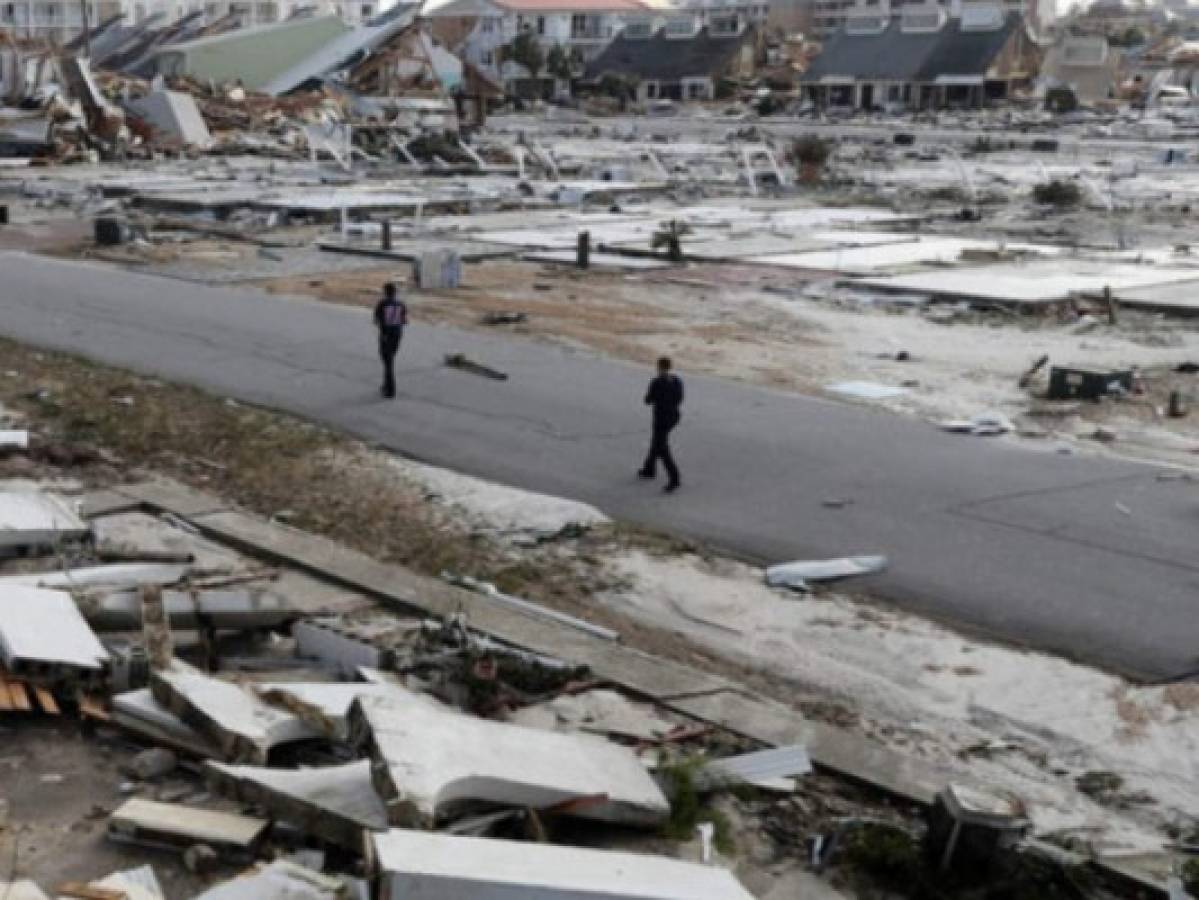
{"points": [[120, 575], [172, 824], [175, 115], [867, 390], [242, 725], [139, 712], [44, 628], [281, 880], [336, 803], [415, 864], [762, 768], [426, 757], [19, 439], [32, 519], [797, 574]]}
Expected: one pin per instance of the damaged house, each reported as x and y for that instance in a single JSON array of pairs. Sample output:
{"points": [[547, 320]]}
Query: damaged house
{"points": [[680, 63], [923, 57]]}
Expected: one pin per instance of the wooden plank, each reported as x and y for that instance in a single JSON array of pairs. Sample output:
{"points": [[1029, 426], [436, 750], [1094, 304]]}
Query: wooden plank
{"points": [[92, 707], [88, 892], [46, 700], [5, 697], [20, 699]]}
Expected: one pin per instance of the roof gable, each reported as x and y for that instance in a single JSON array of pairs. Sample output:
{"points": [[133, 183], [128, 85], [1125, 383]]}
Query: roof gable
{"points": [[664, 58]]}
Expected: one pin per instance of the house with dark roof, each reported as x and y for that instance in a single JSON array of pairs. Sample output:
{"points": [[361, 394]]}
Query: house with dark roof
{"points": [[678, 63], [923, 57]]}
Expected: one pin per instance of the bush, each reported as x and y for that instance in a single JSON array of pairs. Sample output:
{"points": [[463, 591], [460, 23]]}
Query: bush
{"points": [[1057, 193], [811, 150]]}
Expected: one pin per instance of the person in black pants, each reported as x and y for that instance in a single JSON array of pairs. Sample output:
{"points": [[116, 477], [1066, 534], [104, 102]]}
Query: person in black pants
{"points": [[665, 395], [391, 315]]}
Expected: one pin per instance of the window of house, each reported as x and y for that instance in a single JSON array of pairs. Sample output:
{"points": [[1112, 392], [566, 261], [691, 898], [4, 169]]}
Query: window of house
{"points": [[680, 26], [488, 58], [724, 25], [541, 24], [651, 90], [367, 11], [638, 28], [10, 11]]}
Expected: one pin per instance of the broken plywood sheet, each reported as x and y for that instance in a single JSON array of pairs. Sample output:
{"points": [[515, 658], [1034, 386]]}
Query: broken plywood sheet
{"points": [[335, 803], [443, 867], [139, 712], [242, 725], [281, 880], [29, 519], [600, 712], [42, 630], [174, 825], [426, 758]]}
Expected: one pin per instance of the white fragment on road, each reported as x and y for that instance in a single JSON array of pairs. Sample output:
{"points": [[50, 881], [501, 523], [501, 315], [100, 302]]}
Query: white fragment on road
{"points": [[796, 575], [867, 390]]}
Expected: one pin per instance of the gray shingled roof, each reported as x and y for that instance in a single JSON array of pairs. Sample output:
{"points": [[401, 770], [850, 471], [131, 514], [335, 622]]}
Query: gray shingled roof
{"points": [[895, 55], [662, 58]]}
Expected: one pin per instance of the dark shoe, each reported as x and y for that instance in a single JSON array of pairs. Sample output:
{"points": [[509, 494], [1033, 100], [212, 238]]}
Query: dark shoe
{"points": [[672, 487], [641, 473]]}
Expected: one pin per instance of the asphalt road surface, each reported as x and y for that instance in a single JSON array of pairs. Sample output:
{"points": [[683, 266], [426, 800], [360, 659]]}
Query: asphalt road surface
{"points": [[1093, 558]]}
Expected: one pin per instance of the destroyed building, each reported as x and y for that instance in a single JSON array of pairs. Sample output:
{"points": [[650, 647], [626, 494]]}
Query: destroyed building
{"points": [[924, 58]]}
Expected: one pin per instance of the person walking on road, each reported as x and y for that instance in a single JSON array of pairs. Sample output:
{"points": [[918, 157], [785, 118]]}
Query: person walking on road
{"points": [[391, 315], [665, 396]]}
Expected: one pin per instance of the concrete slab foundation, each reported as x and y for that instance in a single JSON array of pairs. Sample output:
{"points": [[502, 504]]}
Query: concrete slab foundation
{"points": [[425, 758]]}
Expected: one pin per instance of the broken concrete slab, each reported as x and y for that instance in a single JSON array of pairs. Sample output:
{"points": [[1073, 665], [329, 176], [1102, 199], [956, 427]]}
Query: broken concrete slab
{"points": [[277, 881], [136, 884], [796, 575], [139, 712], [334, 803], [242, 725], [174, 115], [425, 758], [31, 521], [43, 633], [325, 707], [173, 825], [323, 639], [601, 711], [443, 867]]}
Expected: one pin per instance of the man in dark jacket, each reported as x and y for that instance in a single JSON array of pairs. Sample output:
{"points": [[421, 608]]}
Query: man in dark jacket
{"points": [[665, 395], [391, 315]]}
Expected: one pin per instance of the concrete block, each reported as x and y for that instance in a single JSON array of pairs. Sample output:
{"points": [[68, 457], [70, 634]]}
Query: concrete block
{"points": [[442, 867], [425, 758], [318, 639], [32, 521], [334, 803], [43, 633], [241, 724]]}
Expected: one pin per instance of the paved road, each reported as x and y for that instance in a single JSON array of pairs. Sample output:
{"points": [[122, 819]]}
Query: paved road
{"points": [[1089, 557]]}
